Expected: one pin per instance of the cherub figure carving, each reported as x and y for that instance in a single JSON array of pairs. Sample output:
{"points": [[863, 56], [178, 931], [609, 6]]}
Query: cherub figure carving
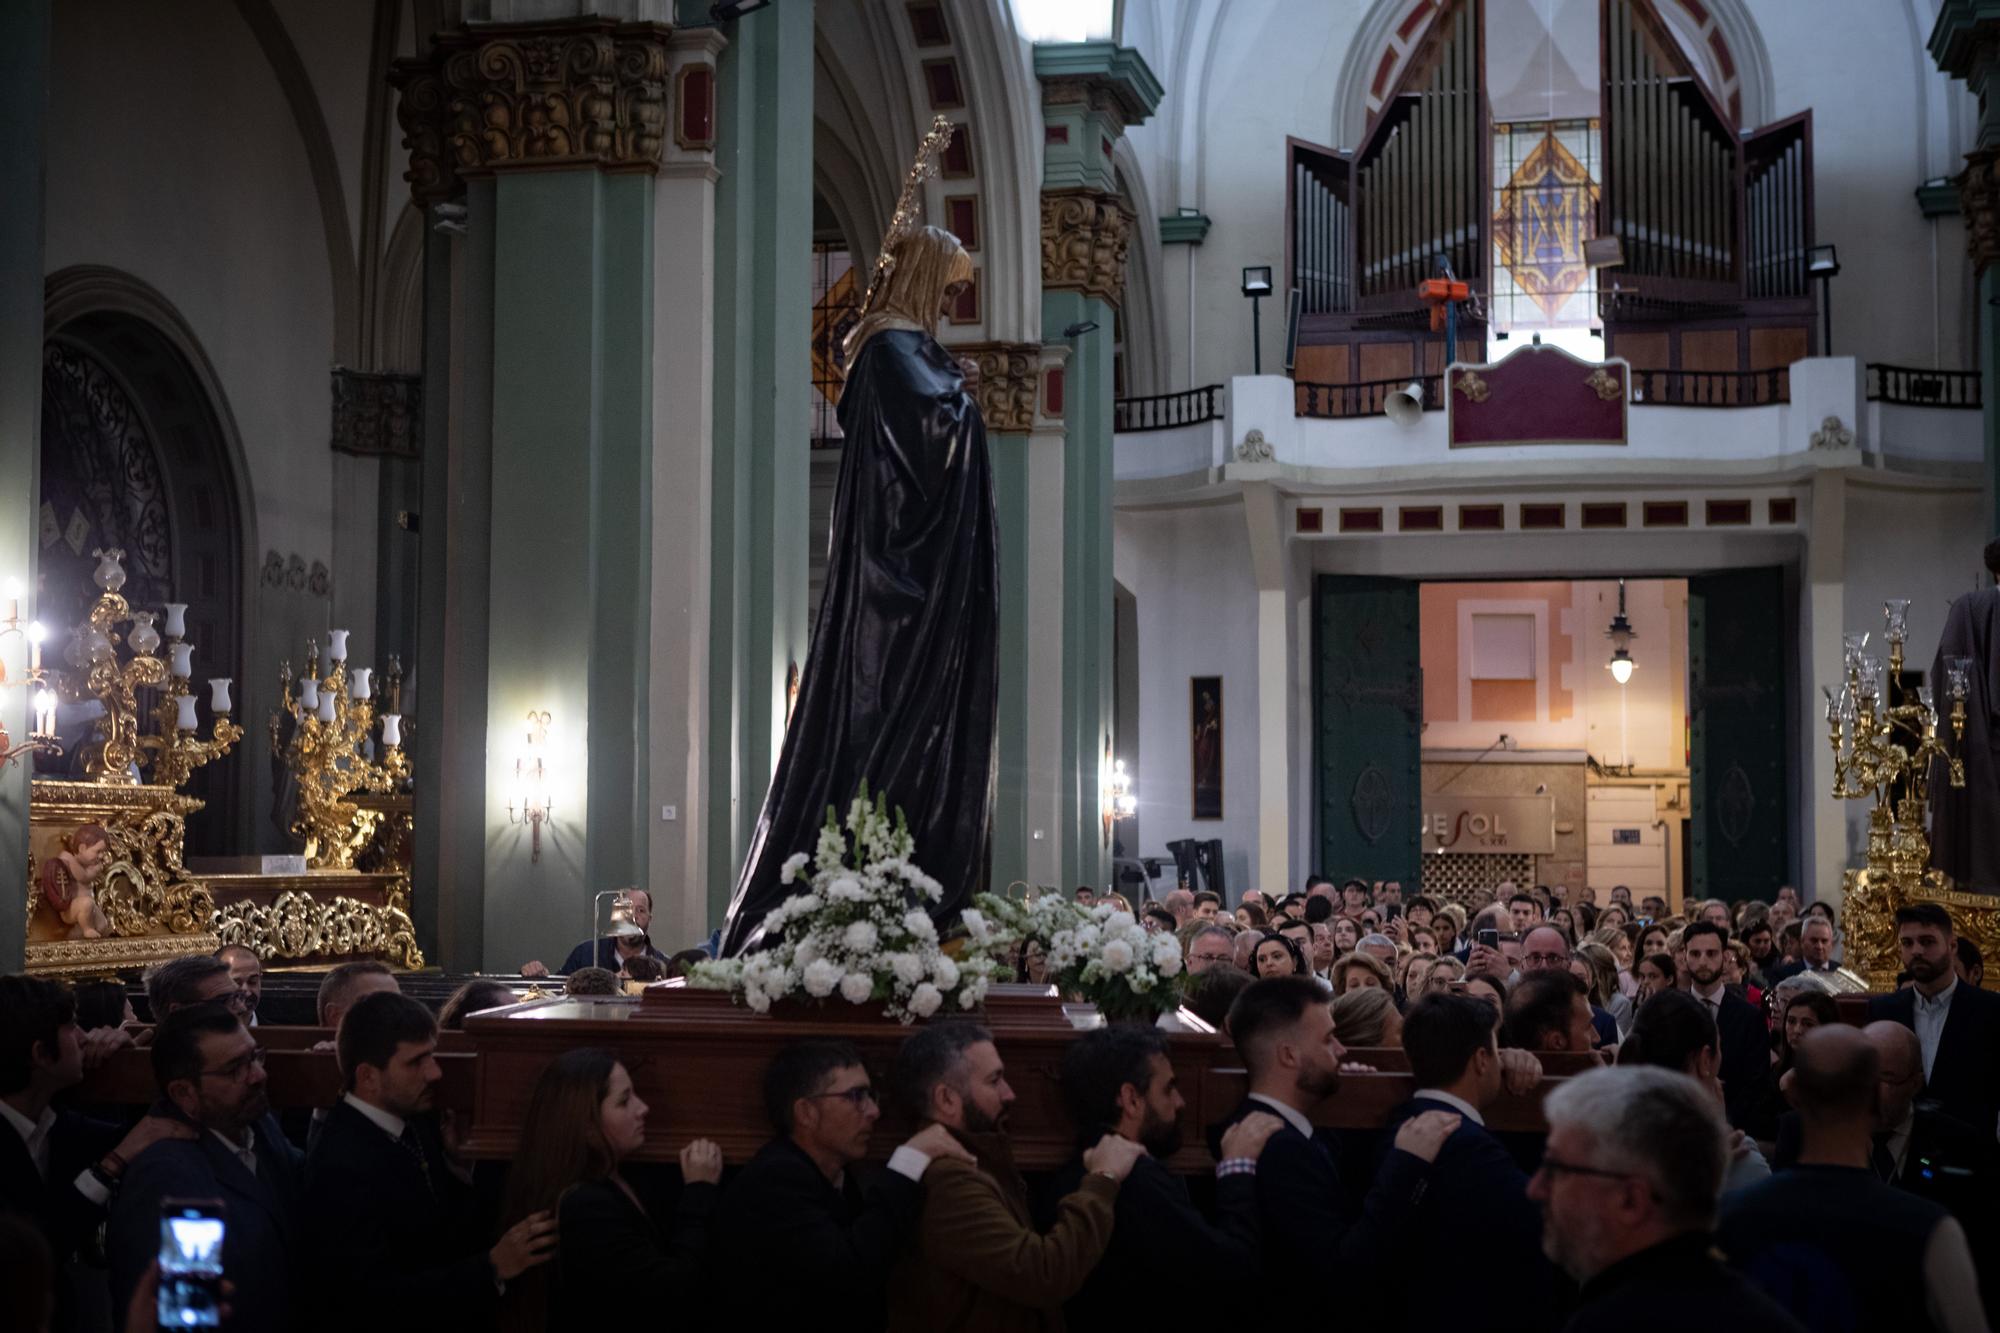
{"points": [[69, 881]]}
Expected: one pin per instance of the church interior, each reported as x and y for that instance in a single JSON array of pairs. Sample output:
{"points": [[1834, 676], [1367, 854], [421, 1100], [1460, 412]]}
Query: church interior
{"points": [[1458, 448]]}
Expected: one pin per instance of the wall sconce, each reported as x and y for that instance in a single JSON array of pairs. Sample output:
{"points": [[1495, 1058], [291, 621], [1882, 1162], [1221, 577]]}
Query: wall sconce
{"points": [[42, 700], [1118, 800], [1621, 635], [530, 804]]}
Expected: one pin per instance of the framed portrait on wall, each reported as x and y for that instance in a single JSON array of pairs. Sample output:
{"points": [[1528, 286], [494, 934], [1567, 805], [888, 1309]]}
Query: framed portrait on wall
{"points": [[1205, 752]]}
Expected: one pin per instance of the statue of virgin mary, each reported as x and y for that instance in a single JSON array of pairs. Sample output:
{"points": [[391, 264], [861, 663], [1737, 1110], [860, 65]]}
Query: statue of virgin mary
{"points": [[901, 686]]}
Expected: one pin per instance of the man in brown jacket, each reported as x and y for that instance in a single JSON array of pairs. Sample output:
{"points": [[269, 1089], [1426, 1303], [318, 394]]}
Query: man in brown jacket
{"points": [[976, 1263]]}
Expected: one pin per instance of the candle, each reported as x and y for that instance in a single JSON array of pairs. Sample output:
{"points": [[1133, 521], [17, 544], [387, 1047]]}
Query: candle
{"points": [[183, 660], [176, 626], [359, 688], [336, 650], [218, 692], [36, 633], [45, 712], [186, 721], [326, 706], [392, 729], [309, 695]]}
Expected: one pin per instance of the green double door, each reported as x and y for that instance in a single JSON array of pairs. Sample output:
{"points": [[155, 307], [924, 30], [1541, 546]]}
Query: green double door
{"points": [[1368, 726]]}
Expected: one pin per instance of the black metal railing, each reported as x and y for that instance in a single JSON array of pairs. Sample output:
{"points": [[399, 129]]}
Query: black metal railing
{"points": [[1363, 399], [1164, 411], [1711, 388], [1923, 388]]}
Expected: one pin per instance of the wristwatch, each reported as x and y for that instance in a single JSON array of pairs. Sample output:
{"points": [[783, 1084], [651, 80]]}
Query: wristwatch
{"points": [[108, 1170]]}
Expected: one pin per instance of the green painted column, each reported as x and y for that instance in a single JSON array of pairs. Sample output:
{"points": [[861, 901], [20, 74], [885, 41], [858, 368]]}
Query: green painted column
{"points": [[763, 312], [24, 90], [1091, 91], [1011, 830], [1989, 375]]}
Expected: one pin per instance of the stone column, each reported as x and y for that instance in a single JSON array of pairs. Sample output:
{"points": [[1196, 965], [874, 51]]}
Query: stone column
{"points": [[556, 131], [1090, 92], [762, 419], [1965, 43], [24, 95]]}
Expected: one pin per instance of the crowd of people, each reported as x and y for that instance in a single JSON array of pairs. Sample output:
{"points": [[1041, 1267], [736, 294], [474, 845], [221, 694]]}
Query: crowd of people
{"points": [[1719, 1146]]}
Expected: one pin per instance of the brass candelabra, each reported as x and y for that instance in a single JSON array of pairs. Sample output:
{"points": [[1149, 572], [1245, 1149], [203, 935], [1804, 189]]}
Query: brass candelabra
{"points": [[119, 751], [41, 701], [333, 725]]}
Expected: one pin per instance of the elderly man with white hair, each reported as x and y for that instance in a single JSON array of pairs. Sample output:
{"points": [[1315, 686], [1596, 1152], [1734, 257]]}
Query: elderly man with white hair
{"points": [[1627, 1187]]}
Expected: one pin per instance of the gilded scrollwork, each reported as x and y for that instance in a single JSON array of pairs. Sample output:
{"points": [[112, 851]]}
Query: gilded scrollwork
{"points": [[1868, 912], [297, 925], [1608, 387], [1085, 234], [1468, 383], [1006, 383]]}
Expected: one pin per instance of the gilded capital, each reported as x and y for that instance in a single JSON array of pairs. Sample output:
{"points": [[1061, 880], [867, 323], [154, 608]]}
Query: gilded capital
{"points": [[1084, 237], [1979, 201], [591, 93], [1008, 375]]}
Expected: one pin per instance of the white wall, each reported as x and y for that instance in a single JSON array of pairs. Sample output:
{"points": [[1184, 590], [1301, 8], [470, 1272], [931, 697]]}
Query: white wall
{"points": [[1189, 572]]}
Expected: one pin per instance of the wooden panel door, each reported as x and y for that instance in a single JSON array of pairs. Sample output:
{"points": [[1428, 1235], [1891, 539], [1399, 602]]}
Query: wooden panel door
{"points": [[1367, 728], [1739, 843]]}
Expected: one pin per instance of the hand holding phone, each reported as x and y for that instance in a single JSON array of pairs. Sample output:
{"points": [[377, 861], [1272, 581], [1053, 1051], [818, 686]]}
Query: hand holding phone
{"points": [[191, 1237]]}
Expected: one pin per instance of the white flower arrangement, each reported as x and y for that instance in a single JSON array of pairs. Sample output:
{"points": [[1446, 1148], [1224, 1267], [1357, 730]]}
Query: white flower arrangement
{"points": [[861, 929], [1100, 953]]}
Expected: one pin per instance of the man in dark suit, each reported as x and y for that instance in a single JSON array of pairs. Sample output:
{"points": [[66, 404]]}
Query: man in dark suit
{"points": [[1477, 1208], [800, 1197], [210, 1071], [1815, 951], [629, 939], [397, 1234], [1957, 1027], [58, 1168], [1118, 1080], [1283, 1030], [1746, 1041]]}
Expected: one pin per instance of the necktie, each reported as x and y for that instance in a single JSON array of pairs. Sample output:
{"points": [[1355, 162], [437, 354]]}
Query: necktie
{"points": [[409, 1144], [1883, 1160]]}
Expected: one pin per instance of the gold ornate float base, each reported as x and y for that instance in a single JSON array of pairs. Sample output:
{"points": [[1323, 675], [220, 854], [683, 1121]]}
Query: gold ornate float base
{"points": [[155, 908], [322, 916], [1869, 926]]}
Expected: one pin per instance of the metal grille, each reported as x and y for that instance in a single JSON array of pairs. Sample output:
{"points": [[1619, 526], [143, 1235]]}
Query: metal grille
{"points": [[1468, 878]]}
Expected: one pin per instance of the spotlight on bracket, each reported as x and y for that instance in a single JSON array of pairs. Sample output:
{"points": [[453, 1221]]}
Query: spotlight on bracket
{"points": [[1081, 327]]}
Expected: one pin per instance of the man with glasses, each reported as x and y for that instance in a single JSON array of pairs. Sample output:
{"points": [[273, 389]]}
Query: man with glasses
{"points": [[1545, 950], [1211, 946], [800, 1199], [1627, 1188], [210, 1073], [197, 979]]}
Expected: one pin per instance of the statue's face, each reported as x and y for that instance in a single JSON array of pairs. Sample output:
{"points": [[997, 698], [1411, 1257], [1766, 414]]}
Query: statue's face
{"points": [[89, 856], [952, 291]]}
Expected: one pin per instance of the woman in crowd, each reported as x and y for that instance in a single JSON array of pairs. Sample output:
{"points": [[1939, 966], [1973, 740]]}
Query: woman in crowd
{"points": [[1620, 945], [1031, 962], [1410, 968], [1360, 969], [1485, 986], [1251, 916], [1420, 911], [1603, 984], [1736, 971], [1450, 926], [1423, 940], [1585, 917], [1652, 939], [1442, 975], [1673, 1030], [1345, 935], [583, 1122], [1656, 975], [470, 999], [1800, 1011], [1367, 1017], [1278, 956], [1565, 921], [1614, 917]]}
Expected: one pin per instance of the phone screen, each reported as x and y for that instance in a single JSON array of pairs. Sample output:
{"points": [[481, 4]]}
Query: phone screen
{"points": [[1490, 938], [191, 1235]]}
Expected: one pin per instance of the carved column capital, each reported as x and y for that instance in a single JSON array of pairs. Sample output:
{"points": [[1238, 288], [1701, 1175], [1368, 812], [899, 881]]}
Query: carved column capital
{"points": [[1979, 201], [1006, 377], [1084, 237], [590, 93]]}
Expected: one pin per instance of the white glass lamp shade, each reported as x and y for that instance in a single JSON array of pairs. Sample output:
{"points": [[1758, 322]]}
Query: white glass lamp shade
{"points": [[336, 645], [218, 692], [143, 638], [183, 663], [177, 625], [309, 695], [392, 728], [358, 685], [326, 705], [185, 719]]}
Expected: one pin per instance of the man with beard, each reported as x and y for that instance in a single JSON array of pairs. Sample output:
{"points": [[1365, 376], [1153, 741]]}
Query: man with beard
{"points": [[975, 1261], [211, 1074], [1957, 1026], [1746, 1042], [1119, 1080], [246, 969], [396, 1231], [1283, 1030], [1627, 1188]]}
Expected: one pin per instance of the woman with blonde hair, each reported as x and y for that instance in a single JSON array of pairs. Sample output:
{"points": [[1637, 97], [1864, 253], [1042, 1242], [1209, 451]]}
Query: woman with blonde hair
{"points": [[584, 1120], [1604, 991], [1367, 1017], [1360, 969], [1442, 974]]}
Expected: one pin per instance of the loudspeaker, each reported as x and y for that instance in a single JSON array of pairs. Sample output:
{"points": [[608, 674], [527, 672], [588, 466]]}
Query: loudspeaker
{"points": [[1405, 406]]}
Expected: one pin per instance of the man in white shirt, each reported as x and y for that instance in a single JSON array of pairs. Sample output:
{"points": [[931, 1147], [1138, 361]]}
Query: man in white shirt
{"points": [[1957, 1026]]}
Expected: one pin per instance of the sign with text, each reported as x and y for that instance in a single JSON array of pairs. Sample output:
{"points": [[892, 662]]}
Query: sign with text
{"points": [[1490, 824]]}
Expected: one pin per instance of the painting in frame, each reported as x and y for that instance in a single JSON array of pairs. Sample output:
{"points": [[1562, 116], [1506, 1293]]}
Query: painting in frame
{"points": [[1205, 745]]}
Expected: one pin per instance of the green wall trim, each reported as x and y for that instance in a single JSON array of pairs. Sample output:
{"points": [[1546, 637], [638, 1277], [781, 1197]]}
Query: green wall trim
{"points": [[1121, 68], [1010, 805], [1185, 228]]}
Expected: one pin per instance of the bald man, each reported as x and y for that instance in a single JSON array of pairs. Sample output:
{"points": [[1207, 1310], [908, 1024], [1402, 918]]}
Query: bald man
{"points": [[1828, 1238]]}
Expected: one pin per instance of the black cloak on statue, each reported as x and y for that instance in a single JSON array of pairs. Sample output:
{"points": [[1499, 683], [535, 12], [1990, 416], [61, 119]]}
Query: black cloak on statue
{"points": [[1965, 821], [901, 686]]}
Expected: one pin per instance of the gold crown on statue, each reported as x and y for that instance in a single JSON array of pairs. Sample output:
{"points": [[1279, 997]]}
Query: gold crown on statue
{"points": [[909, 205]]}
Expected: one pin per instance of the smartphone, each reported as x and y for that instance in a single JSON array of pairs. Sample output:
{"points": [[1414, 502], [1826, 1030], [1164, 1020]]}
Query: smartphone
{"points": [[191, 1236], [1489, 937]]}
